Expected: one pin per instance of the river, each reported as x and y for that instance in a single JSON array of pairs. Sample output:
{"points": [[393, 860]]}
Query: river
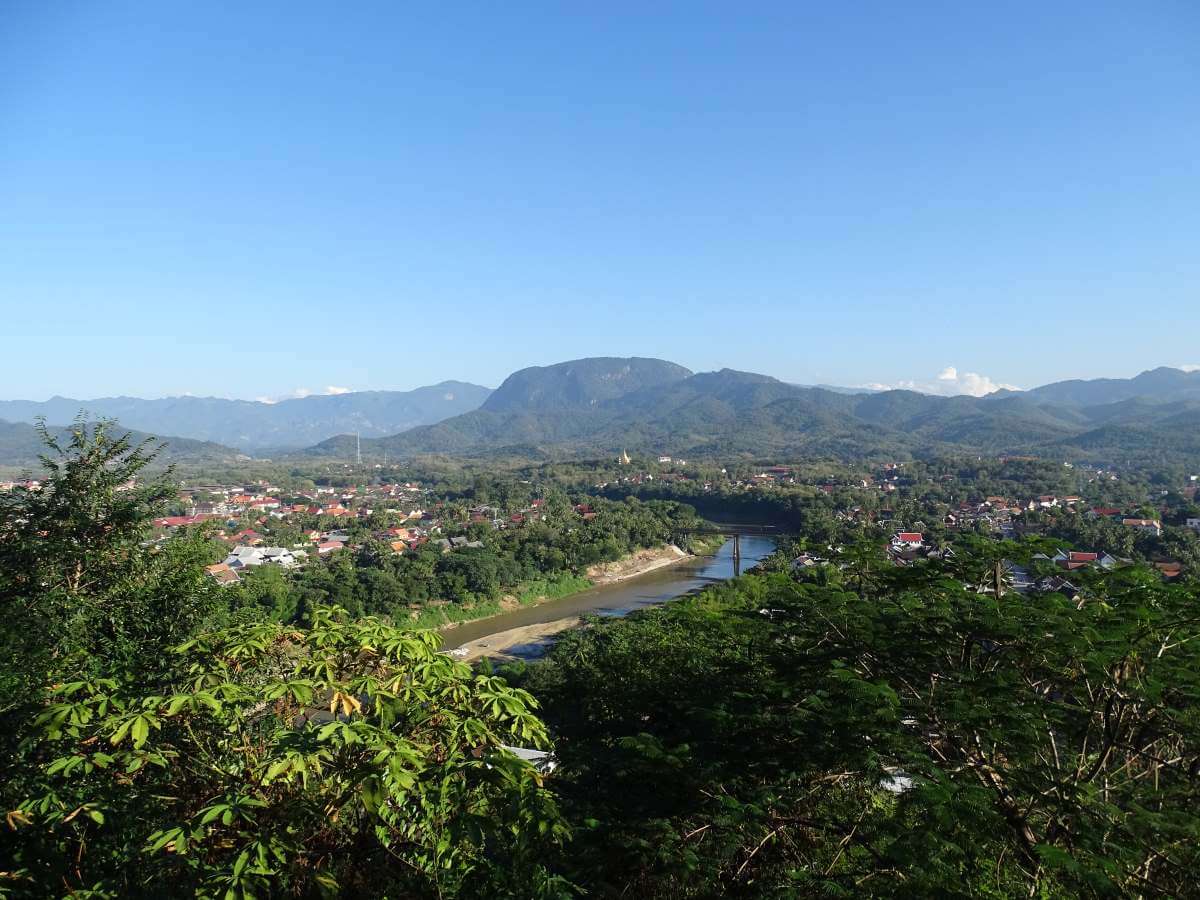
{"points": [[617, 599]]}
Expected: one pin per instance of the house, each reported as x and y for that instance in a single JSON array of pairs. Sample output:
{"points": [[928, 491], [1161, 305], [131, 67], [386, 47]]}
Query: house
{"points": [[180, 521], [222, 574], [806, 561], [210, 509], [911, 539], [243, 557], [1019, 578], [1078, 559], [1146, 526], [1056, 585], [1074, 559]]}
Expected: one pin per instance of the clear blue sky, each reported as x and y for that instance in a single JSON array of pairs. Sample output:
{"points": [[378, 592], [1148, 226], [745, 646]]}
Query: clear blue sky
{"points": [[247, 198]]}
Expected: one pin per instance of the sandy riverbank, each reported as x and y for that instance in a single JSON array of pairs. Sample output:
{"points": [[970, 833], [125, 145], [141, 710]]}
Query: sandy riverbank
{"points": [[498, 644], [635, 564]]}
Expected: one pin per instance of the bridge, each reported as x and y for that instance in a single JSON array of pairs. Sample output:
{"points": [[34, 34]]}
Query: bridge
{"points": [[737, 532]]}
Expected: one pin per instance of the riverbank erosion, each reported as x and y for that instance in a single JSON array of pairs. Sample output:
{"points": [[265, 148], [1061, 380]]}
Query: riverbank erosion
{"points": [[641, 581], [635, 564], [507, 643], [562, 587], [515, 643]]}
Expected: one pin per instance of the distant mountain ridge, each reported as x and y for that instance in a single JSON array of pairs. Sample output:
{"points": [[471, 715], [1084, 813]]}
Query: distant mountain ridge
{"points": [[256, 426], [604, 405], [20, 446], [1162, 384]]}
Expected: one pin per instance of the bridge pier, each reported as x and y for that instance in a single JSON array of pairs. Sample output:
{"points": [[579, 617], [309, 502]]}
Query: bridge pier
{"points": [[735, 532]]}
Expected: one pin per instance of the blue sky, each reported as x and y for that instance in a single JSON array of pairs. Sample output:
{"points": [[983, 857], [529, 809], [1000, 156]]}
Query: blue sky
{"points": [[248, 199]]}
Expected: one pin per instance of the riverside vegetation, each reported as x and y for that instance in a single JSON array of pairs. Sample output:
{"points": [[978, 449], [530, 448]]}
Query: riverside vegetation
{"points": [[853, 729]]}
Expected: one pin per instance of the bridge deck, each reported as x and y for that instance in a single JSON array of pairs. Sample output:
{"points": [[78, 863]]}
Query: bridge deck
{"points": [[744, 530]]}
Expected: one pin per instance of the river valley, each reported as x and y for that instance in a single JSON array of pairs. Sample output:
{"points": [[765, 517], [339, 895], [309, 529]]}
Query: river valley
{"points": [[526, 632]]}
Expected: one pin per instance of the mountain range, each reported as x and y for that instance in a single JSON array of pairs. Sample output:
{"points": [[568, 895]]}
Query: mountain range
{"points": [[20, 446], [260, 427], [602, 405], [605, 404]]}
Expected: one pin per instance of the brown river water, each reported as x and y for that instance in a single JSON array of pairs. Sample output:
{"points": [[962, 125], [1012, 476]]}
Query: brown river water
{"points": [[617, 599]]}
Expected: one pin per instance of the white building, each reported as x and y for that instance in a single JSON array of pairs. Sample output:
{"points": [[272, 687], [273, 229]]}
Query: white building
{"points": [[243, 557]]}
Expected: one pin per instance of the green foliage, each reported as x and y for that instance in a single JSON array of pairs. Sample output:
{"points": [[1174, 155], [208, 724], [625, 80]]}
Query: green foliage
{"points": [[546, 557], [856, 729], [600, 405], [346, 757], [76, 579], [743, 742], [243, 761]]}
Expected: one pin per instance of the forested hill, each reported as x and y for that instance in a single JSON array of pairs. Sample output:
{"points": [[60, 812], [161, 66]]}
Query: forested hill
{"points": [[20, 445], [1162, 384], [257, 426], [602, 406], [580, 384]]}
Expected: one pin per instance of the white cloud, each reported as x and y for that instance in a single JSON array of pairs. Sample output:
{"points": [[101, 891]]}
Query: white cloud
{"points": [[301, 392], [949, 382]]}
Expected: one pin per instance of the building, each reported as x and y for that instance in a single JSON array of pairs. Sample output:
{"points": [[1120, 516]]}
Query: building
{"points": [[911, 539], [243, 557], [1147, 526], [222, 574]]}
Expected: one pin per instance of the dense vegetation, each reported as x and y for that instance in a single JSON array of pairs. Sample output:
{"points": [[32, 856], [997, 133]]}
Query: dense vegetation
{"points": [[826, 503], [150, 747], [21, 444], [546, 556], [849, 729], [887, 732], [600, 405]]}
